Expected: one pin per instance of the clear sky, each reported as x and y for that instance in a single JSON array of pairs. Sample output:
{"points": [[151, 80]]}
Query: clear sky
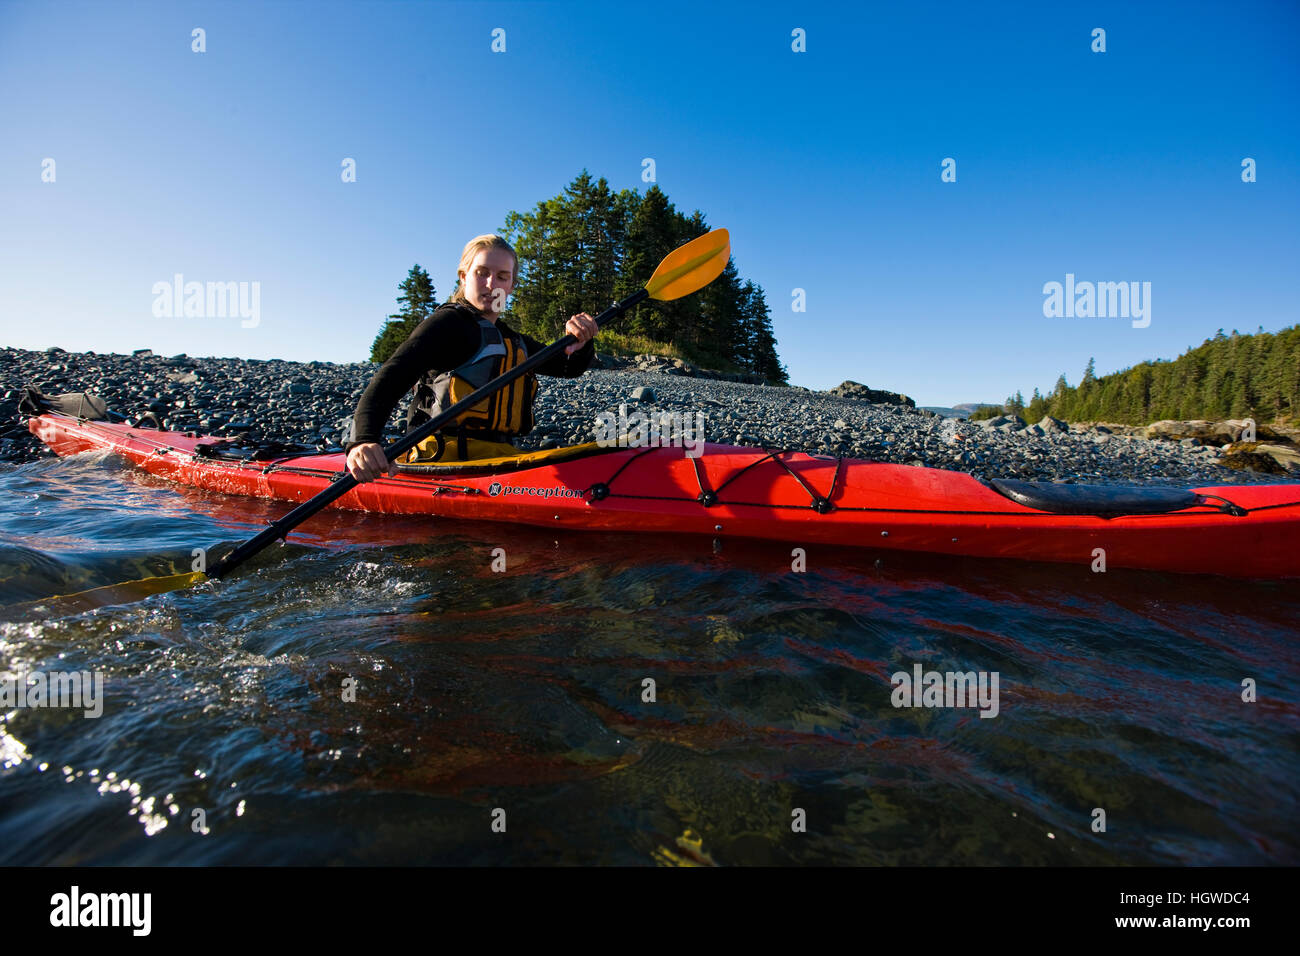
{"points": [[825, 165]]}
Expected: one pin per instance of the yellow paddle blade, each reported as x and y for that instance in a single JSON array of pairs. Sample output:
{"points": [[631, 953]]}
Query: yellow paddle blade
{"points": [[690, 267], [61, 605]]}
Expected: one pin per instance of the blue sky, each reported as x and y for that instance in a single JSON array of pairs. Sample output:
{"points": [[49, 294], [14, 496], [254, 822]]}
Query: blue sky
{"points": [[824, 165]]}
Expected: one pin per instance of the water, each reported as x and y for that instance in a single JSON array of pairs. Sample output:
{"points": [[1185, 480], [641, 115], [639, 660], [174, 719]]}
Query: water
{"points": [[518, 696]]}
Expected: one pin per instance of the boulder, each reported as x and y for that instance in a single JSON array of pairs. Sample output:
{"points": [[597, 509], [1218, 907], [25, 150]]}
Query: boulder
{"points": [[1280, 434], [1211, 433], [1109, 428], [875, 396], [1270, 459], [1009, 423]]}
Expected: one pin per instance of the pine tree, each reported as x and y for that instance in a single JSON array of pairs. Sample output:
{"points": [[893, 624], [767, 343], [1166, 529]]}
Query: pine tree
{"points": [[764, 360], [652, 234], [1058, 401], [722, 335], [1037, 408], [530, 234], [417, 301]]}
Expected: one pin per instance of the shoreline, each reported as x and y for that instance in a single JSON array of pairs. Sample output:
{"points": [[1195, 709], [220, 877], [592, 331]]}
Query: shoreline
{"points": [[312, 402]]}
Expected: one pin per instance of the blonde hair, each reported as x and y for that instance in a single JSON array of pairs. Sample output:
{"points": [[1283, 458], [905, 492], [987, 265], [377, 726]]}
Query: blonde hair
{"points": [[472, 249]]}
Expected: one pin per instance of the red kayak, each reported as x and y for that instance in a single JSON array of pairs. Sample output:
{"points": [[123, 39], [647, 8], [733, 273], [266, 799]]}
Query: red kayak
{"points": [[1238, 530]]}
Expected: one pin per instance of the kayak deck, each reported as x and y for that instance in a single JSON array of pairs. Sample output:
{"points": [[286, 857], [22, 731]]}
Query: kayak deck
{"points": [[1238, 530]]}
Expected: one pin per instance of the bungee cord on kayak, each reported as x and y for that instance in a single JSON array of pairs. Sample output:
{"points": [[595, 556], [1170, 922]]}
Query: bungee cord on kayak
{"points": [[825, 505]]}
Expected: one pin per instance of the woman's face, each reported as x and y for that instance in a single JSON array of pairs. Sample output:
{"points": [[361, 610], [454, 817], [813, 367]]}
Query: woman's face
{"points": [[491, 278]]}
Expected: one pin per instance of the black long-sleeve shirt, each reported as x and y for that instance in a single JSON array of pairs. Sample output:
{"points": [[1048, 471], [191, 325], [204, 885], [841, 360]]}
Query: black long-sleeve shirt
{"points": [[445, 340]]}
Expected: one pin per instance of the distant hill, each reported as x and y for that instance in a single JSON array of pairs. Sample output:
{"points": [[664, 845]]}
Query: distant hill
{"points": [[963, 410]]}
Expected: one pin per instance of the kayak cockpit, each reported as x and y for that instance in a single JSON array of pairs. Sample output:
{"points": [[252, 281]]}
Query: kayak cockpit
{"points": [[496, 466], [1102, 501]]}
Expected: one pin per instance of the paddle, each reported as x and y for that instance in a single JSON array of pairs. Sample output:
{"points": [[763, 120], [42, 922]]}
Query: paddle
{"points": [[686, 269]]}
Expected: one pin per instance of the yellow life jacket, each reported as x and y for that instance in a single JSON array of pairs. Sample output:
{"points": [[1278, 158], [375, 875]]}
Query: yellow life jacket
{"points": [[506, 413], [485, 429]]}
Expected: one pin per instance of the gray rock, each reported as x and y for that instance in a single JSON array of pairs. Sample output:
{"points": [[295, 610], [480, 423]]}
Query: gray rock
{"points": [[857, 390]]}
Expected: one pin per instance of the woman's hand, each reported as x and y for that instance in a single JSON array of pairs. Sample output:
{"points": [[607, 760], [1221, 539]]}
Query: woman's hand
{"points": [[583, 328], [367, 462]]}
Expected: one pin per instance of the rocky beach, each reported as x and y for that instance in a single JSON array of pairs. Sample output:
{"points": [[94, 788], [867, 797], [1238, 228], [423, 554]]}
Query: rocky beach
{"points": [[312, 403]]}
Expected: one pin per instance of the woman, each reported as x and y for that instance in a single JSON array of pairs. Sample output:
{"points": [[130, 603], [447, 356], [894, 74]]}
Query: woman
{"points": [[457, 349]]}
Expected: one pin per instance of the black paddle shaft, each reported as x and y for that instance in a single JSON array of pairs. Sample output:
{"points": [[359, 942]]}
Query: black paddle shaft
{"points": [[343, 482]]}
